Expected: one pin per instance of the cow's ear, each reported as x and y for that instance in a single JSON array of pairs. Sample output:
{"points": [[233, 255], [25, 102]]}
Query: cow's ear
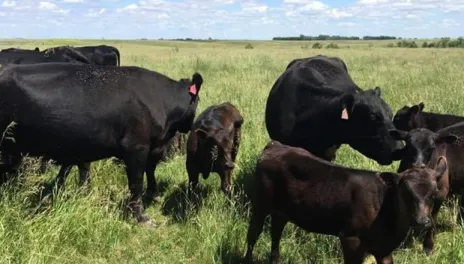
{"points": [[398, 134], [415, 109], [421, 106], [388, 178], [36, 49], [201, 133], [347, 106], [195, 86], [448, 139], [377, 91], [441, 167]]}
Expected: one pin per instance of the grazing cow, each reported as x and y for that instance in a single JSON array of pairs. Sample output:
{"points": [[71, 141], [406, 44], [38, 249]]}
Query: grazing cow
{"points": [[60, 54], [74, 114], [213, 144], [423, 147], [370, 212], [20, 50], [408, 118], [316, 105]]}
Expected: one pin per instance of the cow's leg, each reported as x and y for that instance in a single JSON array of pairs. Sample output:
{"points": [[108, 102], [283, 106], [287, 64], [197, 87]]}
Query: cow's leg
{"points": [[136, 162], [384, 259], [429, 235], [152, 186], [353, 253], [62, 175], [237, 137], [254, 231], [192, 172], [226, 182], [277, 227], [84, 173]]}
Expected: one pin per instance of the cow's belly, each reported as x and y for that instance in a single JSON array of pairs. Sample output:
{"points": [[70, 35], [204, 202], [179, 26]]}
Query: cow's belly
{"points": [[65, 147], [319, 220]]}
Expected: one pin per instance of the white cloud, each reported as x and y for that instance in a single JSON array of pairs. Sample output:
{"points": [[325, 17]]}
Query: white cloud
{"points": [[128, 8], [314, 6], [298, 2], [52, 7], [73, 1], [253, 7], [335, 13], [412, 16], [47, 5], [346, 24], [9, 3], [447, 22], [372, 2]]}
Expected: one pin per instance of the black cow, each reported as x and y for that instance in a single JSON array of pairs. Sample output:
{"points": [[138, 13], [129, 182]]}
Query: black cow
{"points": [[74, 114], [60, 54], [423, 147], [213, 144], [102, 54], [11, 156], [370, 212], [99, 55], [316, 105], [20, 50], [408, 118]]}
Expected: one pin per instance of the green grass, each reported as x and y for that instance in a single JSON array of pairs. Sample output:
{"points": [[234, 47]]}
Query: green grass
{"points": [[87, 225]]}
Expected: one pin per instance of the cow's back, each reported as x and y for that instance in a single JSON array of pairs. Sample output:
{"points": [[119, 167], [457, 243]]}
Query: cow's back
{"points": [[314, 194], [94, 105], [300, 95]]}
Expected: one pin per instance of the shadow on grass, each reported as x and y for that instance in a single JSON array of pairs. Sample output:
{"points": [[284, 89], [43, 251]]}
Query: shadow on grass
{"points": [[183, 202], [227, 253]]}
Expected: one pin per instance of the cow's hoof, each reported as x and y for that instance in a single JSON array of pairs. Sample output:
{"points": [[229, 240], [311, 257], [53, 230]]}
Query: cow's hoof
{"points": [[156, 198], [428, 252], [150, 224]]}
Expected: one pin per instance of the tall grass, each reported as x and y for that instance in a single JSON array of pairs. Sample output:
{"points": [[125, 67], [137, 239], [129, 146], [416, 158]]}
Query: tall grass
{"points": [[88, 225]]}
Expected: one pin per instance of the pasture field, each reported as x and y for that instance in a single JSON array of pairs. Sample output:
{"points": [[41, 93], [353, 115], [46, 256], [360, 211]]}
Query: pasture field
{"points": [[87, 225]]}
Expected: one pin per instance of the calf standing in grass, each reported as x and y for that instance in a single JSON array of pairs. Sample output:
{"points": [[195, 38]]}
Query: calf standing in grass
{"points": [[424, 147], [213, 144], [371, 212], [408, 118]]}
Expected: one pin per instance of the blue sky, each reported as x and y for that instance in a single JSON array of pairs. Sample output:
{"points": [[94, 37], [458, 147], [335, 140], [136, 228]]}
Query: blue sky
{"points": [[228, 19]]}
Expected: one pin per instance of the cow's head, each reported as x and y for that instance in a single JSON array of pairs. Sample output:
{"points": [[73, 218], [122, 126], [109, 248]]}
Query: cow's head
{"points": [[218, 145], [417, 189], [190, 89], [367, 119], [407, 118], [420, 145]]}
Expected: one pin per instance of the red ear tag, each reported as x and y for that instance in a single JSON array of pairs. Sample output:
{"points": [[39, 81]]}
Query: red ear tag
{"points": [[344, 114], [193, 89]]}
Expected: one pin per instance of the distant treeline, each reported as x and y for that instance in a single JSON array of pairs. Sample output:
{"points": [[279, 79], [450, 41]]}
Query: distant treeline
{"points": [[334, 37], [441, 43]]}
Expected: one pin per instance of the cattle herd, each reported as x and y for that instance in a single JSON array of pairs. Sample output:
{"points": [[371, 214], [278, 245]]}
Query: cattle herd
{"points": [[76, 105]]}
